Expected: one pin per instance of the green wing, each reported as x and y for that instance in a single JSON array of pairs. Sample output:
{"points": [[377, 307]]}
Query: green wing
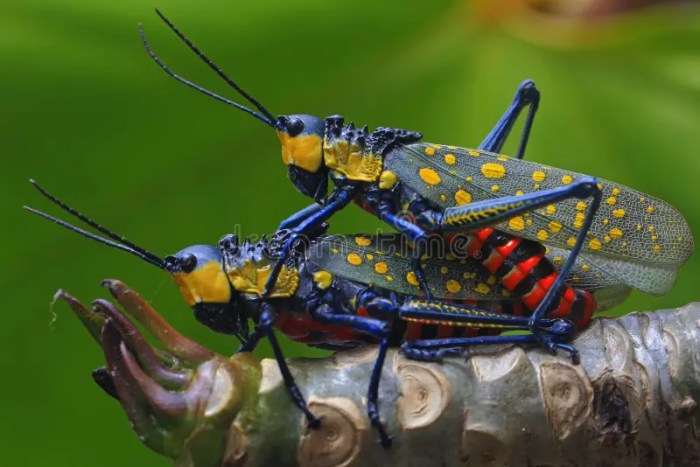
{"points": [[385, 261], [643, 239]]}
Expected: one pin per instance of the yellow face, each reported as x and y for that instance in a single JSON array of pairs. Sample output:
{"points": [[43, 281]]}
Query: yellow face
{"points": [[304, 151], [205, 284]]}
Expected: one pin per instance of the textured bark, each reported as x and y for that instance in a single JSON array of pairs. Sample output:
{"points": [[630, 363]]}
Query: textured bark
{"points": [[631, 402]]}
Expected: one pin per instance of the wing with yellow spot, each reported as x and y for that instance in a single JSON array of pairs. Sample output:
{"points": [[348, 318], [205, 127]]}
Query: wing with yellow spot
{"points": [[642, 239], [385, 261]]}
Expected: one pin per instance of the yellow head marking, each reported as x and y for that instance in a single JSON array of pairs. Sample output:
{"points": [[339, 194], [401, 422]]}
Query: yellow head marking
{"points": [[453, 286], [493, 170], [303, 151], [354, 259], [429, 176], [363, 241], [450, 159], [207, 284], [462, 197], [381, 267], [323, 279], [538, 176], [387, 180]]}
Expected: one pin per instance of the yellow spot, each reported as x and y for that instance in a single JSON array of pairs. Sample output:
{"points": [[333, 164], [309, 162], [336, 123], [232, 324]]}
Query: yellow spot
{"points": [[482, 288], [335, 251], [369, 256], [555, 227], [381, 267], [566, 179], [412, 279], [571, 241], [581, 206], [450, 159], [542, 235], [495, 188], [615, 191], [443, 198], [585, 268], [323, 279], [539, 176], [502, 158], [453, 286], [443, 270], [363, 241], [624, 244], [519, 193], [462, 197], [558, 260], [354, 259], [656, 248], [615, 233], [517, 223], [528, 222], [595, 244], [612, 201], [654, 238], [429, 176], [469, 275], [551, 209], [578, 221], [606, 221], [642, 199], [493, 170], [491, 280], [619, 213], [429, 151], [607, 239], [650, 209], [536, 186], [387, 179], [474, 153], [680, 239]]}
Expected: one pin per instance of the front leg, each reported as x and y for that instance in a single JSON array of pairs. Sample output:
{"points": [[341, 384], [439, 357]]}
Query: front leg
{"points": [[298, 217], [267, 320], [340, 198]]}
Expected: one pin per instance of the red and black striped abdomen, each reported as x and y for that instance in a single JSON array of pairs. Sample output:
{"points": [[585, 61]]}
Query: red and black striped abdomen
{"points": [[523, 268]]}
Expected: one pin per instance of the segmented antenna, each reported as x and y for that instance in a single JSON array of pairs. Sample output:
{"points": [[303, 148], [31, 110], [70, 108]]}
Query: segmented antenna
{"points": [[118, 238], [215, 67], [149, 259], [263, 118]]}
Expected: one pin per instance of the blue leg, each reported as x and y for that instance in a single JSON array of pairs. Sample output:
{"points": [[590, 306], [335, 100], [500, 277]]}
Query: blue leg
{"points": [[373, 327], [526, 95], [267, 320], [419, 238], [296, 218], [251, 342], [552, 333], [339, 199]]}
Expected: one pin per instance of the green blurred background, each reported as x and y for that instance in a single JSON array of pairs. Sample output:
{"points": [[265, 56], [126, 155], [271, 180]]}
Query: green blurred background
{"points": [[86, 113]]}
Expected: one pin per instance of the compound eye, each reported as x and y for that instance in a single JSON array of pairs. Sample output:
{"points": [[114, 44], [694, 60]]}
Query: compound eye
{"points": [[294, 126], [187, 262]]}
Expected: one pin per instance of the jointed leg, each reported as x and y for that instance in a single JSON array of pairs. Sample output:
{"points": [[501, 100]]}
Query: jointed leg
{"points": [[526, 95]]}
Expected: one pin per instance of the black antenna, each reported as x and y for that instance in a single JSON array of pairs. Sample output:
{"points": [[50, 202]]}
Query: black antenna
{"points": [[267, 118], [149, 259], [215, 67], [93, 224]]}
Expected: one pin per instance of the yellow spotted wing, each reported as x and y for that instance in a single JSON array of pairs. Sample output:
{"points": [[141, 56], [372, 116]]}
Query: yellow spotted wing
{"points": [[638, 239]]}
